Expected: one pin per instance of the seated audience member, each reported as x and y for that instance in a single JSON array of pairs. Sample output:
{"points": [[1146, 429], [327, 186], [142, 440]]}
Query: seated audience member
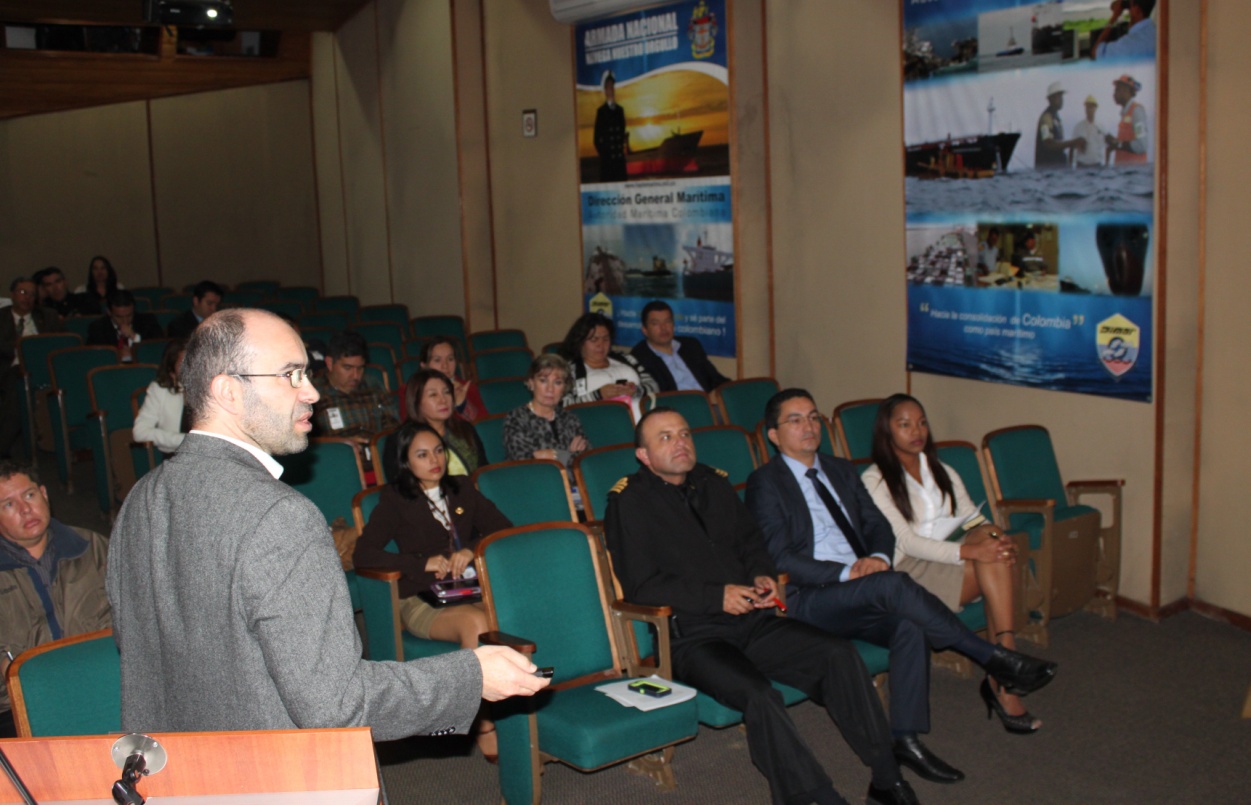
{"points": [[542, 428], [54, 293], [101, 281], [821, 527], [440, 353], [598, 372], [205, 298], [22, 318], [680, 537], [436, 521], [122, 327], [915, 490], [349, 407], [429, 399], [51, 575], [160, 417], [678, 364]]}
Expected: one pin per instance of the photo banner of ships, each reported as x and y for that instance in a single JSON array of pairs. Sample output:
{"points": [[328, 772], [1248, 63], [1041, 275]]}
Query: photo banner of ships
{"points": [[653, 102], [1029, 157]]}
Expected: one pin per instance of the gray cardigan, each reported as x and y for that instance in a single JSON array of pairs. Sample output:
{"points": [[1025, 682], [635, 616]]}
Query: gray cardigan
{"points": [[231, 612]]}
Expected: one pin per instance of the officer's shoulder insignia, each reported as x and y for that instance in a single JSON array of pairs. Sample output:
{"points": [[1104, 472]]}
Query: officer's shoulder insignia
{"points": [[620, 485], [721, 472]]}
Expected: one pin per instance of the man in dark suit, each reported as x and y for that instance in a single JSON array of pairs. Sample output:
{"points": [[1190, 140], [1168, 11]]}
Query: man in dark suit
{"points": [[205, 298], [230, 606], [678, 364], [22, 319], [54, 293], [122, 327], [822, 527]]}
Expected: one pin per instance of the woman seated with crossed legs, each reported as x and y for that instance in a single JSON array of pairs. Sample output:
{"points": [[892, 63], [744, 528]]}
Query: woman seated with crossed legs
{"points": [[914, 490], [436, 521]]}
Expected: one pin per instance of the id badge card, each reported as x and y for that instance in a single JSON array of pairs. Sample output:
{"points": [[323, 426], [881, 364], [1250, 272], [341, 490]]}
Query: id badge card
{"points": [[336, 418]]}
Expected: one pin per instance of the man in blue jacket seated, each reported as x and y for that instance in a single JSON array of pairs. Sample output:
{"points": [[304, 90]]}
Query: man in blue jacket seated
{"points": [[678, 364], [680, 537], [822, 527], [51, 575]]}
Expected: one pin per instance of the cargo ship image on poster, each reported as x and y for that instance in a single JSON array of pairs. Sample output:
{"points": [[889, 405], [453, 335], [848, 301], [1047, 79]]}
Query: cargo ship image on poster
{"points": [[709, 274], [675, 155], [978, 156]]}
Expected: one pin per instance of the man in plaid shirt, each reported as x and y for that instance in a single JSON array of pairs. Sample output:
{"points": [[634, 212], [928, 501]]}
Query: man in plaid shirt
{"points": [[349, 407]]}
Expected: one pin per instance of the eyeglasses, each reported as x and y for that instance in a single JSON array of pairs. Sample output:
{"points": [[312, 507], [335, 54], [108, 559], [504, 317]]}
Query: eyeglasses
{"points": [[795, 419], [296, 377]]}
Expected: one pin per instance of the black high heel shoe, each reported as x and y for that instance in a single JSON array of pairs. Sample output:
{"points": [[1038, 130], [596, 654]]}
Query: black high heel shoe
{"points": [[1019, 725]]}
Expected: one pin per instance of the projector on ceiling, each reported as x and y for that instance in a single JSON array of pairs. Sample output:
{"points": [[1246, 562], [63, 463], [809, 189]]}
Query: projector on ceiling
{"points": [[190, 13]]}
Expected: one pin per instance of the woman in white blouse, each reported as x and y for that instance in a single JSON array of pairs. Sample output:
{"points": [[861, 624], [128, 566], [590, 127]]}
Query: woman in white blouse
{"points": [[160, 418], [941, 539]]}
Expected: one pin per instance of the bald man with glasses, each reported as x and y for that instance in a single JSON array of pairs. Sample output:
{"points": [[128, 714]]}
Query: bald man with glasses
{"points": [[230, 606]]}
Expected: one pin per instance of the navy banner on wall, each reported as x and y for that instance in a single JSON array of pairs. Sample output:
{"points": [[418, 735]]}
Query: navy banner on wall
{"points": [[1029, 148], [654, 150]]}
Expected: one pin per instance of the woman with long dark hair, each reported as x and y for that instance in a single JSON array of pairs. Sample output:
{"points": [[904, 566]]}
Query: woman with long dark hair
{"points": [[101, 281], [917, 493], [598, 372], [436, 522], [430, 398]]}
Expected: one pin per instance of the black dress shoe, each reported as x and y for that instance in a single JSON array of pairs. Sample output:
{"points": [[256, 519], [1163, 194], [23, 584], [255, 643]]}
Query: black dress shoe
{"points": [[899, 793], [910, 752], [1019, 673]]}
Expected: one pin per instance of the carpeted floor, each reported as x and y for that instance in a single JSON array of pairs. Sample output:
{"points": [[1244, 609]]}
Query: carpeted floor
{"points": [[1140, 713]]}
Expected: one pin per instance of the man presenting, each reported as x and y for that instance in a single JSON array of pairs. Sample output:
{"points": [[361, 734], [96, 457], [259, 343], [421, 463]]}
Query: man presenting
{"points": [[51, 575], [230, 606], [823, 528], [680, 537], [678, 364]]}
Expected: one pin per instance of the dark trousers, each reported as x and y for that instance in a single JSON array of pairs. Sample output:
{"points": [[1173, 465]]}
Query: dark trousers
{"points": [[10, 410], [732, 659], [888, 609]]}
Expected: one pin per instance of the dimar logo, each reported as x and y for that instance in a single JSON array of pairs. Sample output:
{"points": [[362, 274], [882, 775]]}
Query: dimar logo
{"points": [[1116, 341], [702, 31]]}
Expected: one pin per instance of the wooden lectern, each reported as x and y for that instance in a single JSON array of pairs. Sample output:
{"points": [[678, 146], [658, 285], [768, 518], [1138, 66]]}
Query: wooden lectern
{"points": [[237, 768]]}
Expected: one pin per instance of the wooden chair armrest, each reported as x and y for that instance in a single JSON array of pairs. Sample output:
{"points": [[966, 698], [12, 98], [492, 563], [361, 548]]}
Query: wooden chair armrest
{"points": [[642, 610], [498, 638], [378, 574], [1097, 484], [1025, 505]]}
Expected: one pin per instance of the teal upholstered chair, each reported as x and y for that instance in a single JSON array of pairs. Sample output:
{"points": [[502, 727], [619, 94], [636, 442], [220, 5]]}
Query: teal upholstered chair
{"points": [[32, 356], [491, 432], [151, 351], [110, 389], [382, 355], [378, 377], [327, 473], [383, 332], [1075, 559], [527, 492], [79, 325], [154, 295], [742, 402], [548, 593], [694, 406], [303, 294], [728, 448], [605, 422], [853, 421], [495, 364], [394, 313], [336, 320], [598, 471], [70, 402], [283, 307], [71, 686], [244, 298], [375, 591], [180, 302], [497, 339], [502, 396], [347, 305], [429, 326], [163, 316]]}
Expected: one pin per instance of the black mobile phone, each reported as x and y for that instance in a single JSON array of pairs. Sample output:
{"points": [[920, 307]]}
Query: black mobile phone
{"points": [[649, 688], [545, 672]]}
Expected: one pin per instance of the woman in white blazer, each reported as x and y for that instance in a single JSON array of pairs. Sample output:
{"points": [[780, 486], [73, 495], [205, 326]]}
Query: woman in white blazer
{"points": [[160, 418]]}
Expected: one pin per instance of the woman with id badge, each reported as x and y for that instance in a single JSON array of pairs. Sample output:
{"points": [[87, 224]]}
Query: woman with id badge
{"points": [[436, 520]]}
